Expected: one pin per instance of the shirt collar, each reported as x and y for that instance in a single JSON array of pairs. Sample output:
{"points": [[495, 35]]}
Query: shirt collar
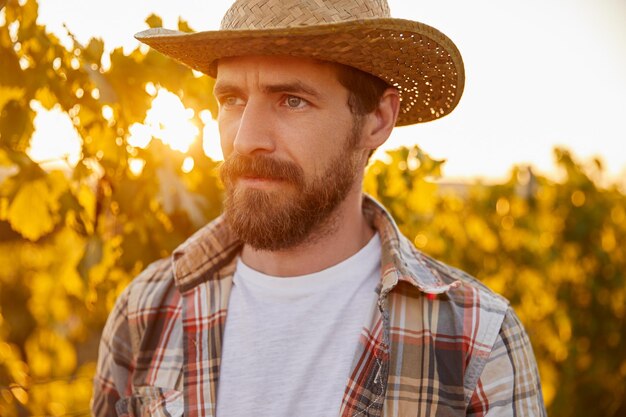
{"points": [[400, 260], [210, 254]]}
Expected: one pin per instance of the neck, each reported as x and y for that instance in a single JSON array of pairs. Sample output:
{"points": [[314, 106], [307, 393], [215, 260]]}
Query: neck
{"points": [[343, 235]]}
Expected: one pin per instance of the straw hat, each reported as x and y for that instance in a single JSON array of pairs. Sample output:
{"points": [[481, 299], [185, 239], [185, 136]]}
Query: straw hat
{"points": [[420, 61]]}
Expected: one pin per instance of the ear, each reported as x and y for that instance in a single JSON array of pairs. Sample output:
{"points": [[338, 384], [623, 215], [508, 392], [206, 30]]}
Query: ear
{"points": [[377, 125]]}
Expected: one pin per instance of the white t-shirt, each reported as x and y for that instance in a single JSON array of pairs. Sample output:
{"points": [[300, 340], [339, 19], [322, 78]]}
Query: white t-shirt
{"points": [[289, 342]]}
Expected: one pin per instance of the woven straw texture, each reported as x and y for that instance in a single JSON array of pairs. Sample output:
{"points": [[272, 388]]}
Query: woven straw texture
{"points": [[421, 62]]}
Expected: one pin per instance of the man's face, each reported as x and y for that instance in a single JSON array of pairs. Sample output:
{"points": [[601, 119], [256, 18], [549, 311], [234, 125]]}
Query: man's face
{"points": [[291, 148]]}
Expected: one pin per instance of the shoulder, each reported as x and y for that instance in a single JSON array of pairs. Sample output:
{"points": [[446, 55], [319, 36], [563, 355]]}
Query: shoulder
{"points": [[463, 325], [150, 303], [153, 288], [446, 284], [470, 292], [131, 339], [471, 309], [499, 370], [146, 290], [150, 300]]}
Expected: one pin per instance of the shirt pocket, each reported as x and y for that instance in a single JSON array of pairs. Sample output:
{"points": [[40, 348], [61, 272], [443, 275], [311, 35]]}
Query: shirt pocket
{"points": [[151, 402]]}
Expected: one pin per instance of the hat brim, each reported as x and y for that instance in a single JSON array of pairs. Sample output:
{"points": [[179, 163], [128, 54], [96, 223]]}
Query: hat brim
{"points": [[420, 61]]}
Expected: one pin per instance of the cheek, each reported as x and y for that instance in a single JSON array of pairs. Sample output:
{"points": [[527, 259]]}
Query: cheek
{"points": [[226, 144], [322, 142], [227, 131]]}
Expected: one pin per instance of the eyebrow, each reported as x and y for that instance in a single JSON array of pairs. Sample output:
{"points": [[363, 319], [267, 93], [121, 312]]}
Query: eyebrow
{"points": [[225, 88], [291, 87], [288, 87]]}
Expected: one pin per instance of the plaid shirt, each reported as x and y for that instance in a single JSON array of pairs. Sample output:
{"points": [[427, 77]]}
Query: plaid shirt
{"points": [[439, 344]]}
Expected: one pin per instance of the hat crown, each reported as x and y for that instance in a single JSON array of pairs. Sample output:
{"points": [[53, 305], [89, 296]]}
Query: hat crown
{"points": [[270, 14]]}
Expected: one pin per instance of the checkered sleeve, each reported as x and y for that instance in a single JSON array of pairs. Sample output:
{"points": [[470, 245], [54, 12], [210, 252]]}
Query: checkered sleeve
{"points": [[115, 361], [509, 383]]}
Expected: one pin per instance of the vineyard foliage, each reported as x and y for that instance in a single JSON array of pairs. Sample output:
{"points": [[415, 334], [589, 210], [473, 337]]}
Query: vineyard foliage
{"points": [[71, 238]]}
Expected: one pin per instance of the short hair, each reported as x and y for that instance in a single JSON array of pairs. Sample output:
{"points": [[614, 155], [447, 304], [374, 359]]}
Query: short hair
{"points": [[364, 92]]}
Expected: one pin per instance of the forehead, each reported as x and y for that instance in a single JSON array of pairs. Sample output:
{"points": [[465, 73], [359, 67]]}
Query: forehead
{"points": [[263, 69]]}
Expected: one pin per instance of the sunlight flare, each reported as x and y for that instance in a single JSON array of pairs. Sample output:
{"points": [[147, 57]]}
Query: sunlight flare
{"points": [[211, 134], [136, 165], [188, 165], [55, 140], [167, 120]]}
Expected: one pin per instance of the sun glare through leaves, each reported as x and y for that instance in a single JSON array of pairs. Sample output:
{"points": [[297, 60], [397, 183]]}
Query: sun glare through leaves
{"points": [[74, 234], [167, 120], [55, 140]]}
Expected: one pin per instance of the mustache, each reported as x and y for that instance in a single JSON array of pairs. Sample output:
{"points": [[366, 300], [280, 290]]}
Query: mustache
{"points": [[262, 166]]}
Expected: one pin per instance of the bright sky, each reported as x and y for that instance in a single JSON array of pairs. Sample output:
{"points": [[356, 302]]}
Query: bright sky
{"points": [[540, 73]]}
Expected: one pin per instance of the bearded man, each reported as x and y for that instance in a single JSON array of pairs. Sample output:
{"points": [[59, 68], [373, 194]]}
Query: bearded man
{"points": [[303, 298]]}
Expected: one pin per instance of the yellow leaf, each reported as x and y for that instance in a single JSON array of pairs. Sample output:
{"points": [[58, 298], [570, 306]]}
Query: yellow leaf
{"points": [[59, 309], [29, 213], [57, 184], [9, 93], [87, 200], [50, 354], [73, 284], [42, 293], [423, 198], [154, 21], [4, 208], [4, 158], [47, 99], [111, 252], [20, 394]]}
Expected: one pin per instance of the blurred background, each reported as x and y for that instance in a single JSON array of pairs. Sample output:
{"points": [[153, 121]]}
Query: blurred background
{"points": [[108, 156]]}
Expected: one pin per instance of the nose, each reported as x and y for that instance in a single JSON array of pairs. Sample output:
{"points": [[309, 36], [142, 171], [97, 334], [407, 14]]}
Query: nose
{"points": [[254, 134]]}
